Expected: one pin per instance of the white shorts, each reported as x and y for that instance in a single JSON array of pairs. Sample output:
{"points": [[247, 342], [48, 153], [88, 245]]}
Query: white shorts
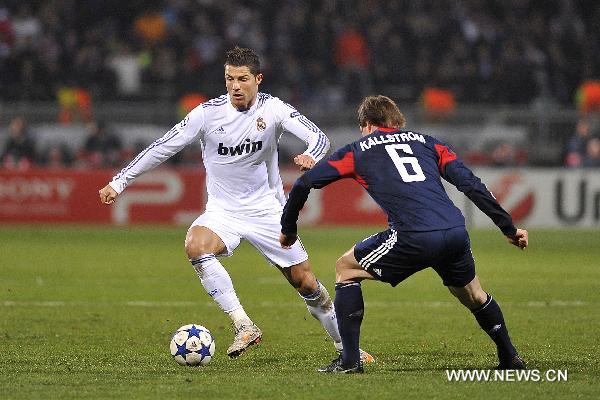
{"points": [[261, 232]]}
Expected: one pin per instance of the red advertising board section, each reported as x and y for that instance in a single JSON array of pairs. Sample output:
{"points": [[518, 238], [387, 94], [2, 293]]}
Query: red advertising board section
{"points": [[162, 196]]}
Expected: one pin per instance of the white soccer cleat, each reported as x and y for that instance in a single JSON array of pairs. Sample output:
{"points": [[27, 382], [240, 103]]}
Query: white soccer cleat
{"points": [[245, 336]]}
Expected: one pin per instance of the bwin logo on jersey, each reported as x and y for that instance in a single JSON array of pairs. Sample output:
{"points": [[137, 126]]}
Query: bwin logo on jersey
{"points": [[246, 147]]}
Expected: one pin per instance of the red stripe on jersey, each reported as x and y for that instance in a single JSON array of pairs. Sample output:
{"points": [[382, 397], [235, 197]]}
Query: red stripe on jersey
{"points": [[446, 155], [384, 129], [345, 167]]}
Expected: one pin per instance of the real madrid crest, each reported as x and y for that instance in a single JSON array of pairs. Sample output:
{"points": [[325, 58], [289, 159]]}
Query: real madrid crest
{"points": [[261, 125]]}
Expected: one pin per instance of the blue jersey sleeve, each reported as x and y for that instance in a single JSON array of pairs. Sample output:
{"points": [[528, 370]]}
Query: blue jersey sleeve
{"points": [[338, 166], [453, 170]]}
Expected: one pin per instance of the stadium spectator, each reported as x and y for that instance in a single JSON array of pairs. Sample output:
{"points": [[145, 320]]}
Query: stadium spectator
{"points": [[20, 147], [75, 105], [102, 147], [592, 154], [128, 67], [56, 156], [577, 144], [402, 172], [27, 28], [7, 34], [352, 57], [506, 154], [151, 26]]}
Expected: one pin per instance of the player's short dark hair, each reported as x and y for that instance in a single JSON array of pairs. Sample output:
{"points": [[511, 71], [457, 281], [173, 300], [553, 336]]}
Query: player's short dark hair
{"points": [[243, 57], [380, 111]]}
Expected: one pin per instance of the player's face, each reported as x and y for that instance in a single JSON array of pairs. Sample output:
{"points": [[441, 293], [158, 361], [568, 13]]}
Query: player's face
{"points": [[242, 86]]}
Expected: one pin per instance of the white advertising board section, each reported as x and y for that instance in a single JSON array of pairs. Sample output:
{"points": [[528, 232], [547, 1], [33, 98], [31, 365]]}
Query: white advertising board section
{"points": [[545, 198]]}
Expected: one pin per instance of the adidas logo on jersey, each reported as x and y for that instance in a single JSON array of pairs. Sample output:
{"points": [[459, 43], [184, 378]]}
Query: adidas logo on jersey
{"points": [[246, 147]]}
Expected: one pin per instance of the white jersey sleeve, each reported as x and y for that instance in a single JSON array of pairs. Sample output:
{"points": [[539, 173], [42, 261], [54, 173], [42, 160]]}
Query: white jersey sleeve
{"points": [[304, 129], [186, 131]]}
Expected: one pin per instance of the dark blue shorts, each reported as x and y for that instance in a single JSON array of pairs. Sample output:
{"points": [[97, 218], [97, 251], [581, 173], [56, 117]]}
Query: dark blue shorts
{"points": [[392, 256]]}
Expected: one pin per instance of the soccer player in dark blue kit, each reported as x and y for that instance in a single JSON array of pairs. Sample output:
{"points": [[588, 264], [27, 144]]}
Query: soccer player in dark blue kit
{"points": [[402, 171]]}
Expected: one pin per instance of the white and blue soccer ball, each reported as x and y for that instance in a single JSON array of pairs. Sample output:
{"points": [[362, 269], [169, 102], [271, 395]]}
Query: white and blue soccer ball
{"points": [[192, 345]]}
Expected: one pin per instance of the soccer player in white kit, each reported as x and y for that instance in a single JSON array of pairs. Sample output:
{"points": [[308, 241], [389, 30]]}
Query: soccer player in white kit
{"points": [[239, 133]]}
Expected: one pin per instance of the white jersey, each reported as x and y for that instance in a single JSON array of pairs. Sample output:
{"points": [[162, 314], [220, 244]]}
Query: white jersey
{"points": [[239, 150]]}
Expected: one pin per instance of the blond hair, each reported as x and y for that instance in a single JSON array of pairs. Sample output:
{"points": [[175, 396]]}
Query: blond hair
{"points": [[380, 111]]}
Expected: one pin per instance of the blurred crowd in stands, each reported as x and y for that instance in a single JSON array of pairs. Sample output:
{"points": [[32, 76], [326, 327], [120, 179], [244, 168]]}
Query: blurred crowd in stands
{"points": [[583, 147], [102, 148], [497, 51], [324, 52]]}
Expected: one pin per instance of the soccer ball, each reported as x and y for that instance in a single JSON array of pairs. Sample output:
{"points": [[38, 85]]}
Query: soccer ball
{"points": [[192, 345]]}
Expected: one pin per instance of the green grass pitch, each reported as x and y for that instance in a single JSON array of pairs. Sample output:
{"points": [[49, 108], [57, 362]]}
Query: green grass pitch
{"points": [[88, 312]]}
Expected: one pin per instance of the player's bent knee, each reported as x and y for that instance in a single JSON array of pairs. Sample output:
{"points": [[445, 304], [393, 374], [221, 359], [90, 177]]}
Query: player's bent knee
{"points": [[341, 264], [197, 245], [346, 263], [347, 269], [478, 298], [193, 250], [470, 297]]}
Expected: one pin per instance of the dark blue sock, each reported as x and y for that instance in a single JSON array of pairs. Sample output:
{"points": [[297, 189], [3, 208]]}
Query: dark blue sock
{"points": [[349, 309], [490, 318]]}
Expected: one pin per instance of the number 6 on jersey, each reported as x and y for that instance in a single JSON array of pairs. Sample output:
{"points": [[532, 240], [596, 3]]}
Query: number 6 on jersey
{"points": [[400, 162]]}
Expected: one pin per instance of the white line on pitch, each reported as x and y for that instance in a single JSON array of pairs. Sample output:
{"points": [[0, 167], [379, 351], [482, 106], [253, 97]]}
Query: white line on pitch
{"points": [[273, 304]]}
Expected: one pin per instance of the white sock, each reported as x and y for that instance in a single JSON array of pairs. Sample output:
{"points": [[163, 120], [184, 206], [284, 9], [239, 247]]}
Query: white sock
{"points": [[218, 285], [239, 317], [321, 307]]}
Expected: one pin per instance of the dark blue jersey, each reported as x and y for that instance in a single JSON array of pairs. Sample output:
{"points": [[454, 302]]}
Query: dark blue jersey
{"points": [[402, 172]]}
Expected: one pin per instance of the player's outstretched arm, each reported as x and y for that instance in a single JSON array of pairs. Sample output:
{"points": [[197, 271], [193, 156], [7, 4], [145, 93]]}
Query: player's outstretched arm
{"points": [[107, 194], [304, 161], [519, 239]]}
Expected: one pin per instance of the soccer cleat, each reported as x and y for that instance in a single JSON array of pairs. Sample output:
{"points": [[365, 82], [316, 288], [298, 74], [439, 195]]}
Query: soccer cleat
{"points": [[245, 336], [365, 357], [337, 367], [515, 362]]}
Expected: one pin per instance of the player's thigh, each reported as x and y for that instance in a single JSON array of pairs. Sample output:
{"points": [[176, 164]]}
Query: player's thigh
{"points": [[263, 233], [214, 233], [348, 269], [391, 256], [455, 263]]}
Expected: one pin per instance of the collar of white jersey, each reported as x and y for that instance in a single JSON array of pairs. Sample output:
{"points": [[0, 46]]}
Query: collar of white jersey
{"points": [[251, 109]]}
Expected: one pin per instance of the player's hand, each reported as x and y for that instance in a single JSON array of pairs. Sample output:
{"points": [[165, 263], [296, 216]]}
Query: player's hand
{"points": [[520, 239], [304, 161], [107, 195], [287, 240]]}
